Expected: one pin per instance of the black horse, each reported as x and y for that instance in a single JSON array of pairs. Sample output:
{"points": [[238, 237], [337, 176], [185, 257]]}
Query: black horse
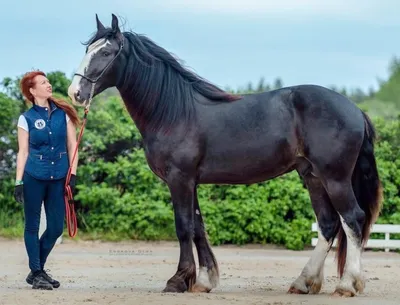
{"points": [[195, 133]]}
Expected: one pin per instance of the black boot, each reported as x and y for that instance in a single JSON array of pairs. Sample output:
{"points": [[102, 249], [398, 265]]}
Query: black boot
{"points": [[53, 282], [40, 281], [30, 277]]}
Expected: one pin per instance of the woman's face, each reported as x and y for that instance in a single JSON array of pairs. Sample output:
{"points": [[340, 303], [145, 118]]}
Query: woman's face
{"points": [[42, 88]]}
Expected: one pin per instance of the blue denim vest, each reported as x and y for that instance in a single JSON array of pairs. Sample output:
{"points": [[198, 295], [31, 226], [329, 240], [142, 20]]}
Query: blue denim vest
{"points": [[48, 157]]}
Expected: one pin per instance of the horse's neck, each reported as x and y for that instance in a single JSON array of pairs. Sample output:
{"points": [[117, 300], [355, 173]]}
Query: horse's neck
{"points": [[157, 114], [132, 107]]}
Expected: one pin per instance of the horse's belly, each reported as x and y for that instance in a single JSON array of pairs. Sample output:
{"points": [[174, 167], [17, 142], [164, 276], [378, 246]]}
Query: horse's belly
{"points": [[249, 165], [242, 175]]}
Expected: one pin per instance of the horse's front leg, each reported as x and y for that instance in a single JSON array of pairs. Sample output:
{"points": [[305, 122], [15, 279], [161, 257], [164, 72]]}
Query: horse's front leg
{"points": [[208, 277], [182, 193]]}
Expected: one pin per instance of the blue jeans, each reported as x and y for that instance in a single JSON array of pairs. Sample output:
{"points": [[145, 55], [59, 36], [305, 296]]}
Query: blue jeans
{"points": [[52, 194]]}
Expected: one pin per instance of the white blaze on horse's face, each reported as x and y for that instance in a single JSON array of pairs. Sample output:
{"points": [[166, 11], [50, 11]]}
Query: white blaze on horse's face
{"points": [[94, 48]]}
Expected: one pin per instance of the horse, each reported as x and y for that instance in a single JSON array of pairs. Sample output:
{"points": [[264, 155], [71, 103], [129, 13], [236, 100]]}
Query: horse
{"points": [[195, 133]]}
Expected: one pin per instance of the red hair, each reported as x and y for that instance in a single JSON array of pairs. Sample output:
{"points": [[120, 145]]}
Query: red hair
{"points": [[28, 82]]}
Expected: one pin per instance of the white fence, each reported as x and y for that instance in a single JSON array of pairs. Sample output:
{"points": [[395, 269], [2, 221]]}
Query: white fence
{"points": [[387, 243]]}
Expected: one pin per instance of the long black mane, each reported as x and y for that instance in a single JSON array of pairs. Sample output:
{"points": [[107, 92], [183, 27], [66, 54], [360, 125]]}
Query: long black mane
{"points": [[157, 89]]}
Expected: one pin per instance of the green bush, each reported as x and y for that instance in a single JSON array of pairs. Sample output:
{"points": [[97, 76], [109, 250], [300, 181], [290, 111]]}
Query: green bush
{"points": [[388, 159]]}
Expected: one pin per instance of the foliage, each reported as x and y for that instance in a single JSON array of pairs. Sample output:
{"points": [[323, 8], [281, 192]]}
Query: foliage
{"points": [[119, 196], [7, 133], [388, 158]]}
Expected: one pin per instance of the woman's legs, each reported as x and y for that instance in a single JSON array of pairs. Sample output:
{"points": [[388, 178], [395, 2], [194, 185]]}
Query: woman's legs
{"points": [[34, 194], [55, 212], [52, 194]]}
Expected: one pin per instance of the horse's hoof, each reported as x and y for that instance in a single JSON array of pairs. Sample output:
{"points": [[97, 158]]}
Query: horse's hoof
{"points": [[172, 289], [307, 285], [200, 288], [315, 287], [340, 292], [293, 290], [206, 281], [349, 287], [175, 287]]}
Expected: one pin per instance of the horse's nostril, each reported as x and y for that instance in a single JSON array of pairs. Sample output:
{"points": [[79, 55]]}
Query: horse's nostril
{"points": [[77, 95]]}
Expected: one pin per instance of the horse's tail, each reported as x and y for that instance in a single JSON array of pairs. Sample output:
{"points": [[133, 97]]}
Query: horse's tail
{"points": [[367, 189]]}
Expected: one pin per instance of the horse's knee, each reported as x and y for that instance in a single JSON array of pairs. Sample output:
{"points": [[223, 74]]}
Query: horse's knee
{"points": [[354, 219], [346, 205], [184, 233], [328, 220], [184, 224], [328, 229]]}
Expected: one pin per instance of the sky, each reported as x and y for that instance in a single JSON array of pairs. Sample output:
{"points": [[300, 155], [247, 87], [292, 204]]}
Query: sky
{"points": [[345, 43]]}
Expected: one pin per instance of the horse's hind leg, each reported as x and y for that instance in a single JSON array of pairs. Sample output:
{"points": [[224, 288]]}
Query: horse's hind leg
{"points": [[311, 278], [352, 218], [208, 277], [335, 168]]}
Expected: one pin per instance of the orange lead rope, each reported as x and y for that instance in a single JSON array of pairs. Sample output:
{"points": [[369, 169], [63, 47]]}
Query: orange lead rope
{"points": [[70, 215]]}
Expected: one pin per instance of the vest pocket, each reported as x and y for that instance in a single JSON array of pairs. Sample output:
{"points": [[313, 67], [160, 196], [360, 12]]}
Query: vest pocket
{"points": [[39, 137], [61, 164]]}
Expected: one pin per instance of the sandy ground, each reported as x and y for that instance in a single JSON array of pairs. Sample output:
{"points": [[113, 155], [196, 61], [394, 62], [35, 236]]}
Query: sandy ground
{"points": [[135, 273]]}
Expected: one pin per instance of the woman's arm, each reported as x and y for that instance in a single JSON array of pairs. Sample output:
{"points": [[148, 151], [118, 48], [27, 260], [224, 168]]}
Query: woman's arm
{"points": [[71, 143], [23, 151]]}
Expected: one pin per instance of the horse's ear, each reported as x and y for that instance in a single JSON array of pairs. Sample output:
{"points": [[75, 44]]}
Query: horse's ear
{"points": [[100, 26], [114, 23]]}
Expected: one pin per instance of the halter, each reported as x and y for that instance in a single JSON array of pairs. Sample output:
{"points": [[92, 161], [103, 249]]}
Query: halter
{"points": [[68, 197], [94, 81]]}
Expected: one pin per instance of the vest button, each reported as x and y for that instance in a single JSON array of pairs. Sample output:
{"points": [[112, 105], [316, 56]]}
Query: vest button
{"points": [[50, 132], [51, 177], [52, 162]]}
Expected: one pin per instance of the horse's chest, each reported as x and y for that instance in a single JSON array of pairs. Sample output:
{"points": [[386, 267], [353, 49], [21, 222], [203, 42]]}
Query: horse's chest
{"points": [[156, 163], [163, 157]]}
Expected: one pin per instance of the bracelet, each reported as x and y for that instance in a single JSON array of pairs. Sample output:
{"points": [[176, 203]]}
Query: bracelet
{"points": [[18, 182]]}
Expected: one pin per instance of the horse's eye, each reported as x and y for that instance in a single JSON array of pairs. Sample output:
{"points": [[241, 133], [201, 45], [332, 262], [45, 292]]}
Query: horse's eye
{"points": [[105, 53]]}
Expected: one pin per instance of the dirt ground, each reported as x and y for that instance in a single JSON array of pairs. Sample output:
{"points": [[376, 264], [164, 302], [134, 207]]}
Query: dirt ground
{"points": [[136, 272]]}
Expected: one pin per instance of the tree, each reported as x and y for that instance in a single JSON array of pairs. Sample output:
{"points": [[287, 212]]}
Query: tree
{"points": [[8, 122], [60, 82]]}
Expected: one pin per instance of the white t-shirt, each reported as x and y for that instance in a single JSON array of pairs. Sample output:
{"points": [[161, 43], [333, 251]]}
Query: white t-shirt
{"points": [[24, 125]]}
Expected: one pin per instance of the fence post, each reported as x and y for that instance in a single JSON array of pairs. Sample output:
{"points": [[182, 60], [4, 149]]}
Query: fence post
{"points": [[387, 237]]}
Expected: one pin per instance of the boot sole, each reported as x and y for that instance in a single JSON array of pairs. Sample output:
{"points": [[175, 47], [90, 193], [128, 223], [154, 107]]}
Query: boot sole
{"points": [[43, 288], [30, 282]]}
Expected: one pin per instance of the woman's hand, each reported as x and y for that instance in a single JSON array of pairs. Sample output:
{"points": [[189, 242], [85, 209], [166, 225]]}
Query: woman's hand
{"points": [[19, 193], [72, 183]]}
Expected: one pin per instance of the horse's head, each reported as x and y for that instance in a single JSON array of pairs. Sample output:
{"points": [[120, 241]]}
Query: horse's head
{"points": [[100, 65]]}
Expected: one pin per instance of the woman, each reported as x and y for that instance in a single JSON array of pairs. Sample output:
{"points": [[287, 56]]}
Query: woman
{"points": [[46, 139]]}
